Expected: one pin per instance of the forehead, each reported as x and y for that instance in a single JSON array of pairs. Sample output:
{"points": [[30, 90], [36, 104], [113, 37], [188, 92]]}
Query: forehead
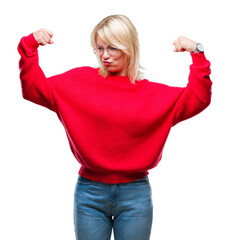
{"points": [[101, 42]]}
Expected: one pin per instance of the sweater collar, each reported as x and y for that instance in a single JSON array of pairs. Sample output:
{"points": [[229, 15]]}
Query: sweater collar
{"points": [[118, 78]]}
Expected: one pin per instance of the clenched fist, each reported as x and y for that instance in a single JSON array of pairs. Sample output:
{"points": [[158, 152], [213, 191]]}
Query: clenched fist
{"points": [[183, 44], [43, 36]]}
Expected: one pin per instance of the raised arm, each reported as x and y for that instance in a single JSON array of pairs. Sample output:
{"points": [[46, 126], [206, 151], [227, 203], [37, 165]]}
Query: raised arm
{"points": [[196, 96], [35, 85]]}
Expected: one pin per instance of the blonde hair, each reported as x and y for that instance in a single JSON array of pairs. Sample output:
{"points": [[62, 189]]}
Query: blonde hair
{"points": [[119, 31]]}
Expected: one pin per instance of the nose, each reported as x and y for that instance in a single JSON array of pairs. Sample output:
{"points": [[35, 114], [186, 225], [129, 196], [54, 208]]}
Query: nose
{"points": [[105, 54]]}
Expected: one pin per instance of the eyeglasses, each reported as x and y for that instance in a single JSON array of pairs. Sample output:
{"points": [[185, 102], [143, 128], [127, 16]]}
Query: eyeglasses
{"points": [[99, 51]]}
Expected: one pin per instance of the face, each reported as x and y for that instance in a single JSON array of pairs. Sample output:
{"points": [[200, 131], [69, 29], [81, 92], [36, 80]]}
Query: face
{"points": [[115, 64]]}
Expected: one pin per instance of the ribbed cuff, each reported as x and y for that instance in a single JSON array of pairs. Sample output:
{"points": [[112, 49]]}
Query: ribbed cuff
{"points": [[198, 58], [31, 42]]}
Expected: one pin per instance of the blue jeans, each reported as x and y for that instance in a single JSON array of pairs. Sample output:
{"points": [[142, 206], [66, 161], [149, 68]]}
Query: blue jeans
{"points": [[125, 207]]}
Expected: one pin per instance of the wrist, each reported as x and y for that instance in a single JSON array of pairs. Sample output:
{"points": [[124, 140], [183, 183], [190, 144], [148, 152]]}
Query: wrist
{"points": [[199, 48], [31, 41]]}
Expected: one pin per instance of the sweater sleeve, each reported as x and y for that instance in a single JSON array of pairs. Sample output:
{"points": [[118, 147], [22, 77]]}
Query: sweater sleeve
{"points": [[196, 96], [35, 85]]}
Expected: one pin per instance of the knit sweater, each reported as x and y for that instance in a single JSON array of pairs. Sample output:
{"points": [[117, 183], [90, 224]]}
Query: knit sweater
{"points": [[116, 129]]}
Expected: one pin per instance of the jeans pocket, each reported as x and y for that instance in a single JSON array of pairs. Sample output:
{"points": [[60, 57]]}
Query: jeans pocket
{"points": [[82, 180], [144, 180]]}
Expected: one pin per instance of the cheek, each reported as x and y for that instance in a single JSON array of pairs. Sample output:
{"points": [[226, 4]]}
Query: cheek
{"points": [[121, 60]]}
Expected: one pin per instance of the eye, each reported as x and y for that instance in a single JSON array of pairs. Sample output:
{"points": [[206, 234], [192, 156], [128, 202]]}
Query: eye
{"points": [[111, 48], [100, 48]]}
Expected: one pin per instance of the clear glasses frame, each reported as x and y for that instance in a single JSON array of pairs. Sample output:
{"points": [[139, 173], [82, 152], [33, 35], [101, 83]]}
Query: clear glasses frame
{"points": [[99, 51]]}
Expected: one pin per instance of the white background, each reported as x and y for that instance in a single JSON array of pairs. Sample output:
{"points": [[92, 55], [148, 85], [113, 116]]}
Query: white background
{"points": [[38, 172]]}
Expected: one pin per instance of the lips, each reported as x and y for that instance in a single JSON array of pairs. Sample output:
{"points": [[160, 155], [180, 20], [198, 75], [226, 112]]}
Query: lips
{"points": [[106, 63]]}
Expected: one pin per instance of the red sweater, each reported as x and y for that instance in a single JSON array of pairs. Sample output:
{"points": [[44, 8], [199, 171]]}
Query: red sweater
{"points": [[116, 129]]}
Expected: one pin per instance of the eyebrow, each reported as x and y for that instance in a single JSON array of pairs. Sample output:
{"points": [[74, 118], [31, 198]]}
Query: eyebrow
{"points": [[112, 46]]}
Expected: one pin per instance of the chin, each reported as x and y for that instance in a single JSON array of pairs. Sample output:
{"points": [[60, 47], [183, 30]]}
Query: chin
{"points": [[112, 69]]}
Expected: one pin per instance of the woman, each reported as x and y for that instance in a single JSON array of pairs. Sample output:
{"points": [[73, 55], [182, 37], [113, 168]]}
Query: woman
{"points": [[116, 123]]}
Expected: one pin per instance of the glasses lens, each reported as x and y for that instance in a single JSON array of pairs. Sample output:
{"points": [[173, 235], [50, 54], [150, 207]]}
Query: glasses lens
{"points": [[99, 51], [112, 50]]}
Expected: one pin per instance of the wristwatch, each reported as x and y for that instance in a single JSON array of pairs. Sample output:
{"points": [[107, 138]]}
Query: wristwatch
{"points": [[199, 48]]}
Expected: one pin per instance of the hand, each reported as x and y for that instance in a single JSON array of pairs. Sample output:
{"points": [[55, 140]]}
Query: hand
{"points": [[183, 44], [43, 36]]}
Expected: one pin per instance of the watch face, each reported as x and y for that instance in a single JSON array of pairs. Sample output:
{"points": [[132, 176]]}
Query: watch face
{"points": [[200, 47]]}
